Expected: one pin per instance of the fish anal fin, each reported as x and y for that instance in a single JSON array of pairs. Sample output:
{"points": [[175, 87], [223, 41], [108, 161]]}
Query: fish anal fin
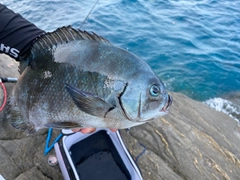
{"points": [[62, 125]]}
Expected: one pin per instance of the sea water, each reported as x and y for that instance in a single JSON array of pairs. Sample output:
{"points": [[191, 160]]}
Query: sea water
{"points": [[193, 46]]}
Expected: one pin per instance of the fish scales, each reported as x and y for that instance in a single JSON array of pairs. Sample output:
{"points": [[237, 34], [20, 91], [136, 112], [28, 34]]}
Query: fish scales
{"points": [[73, 78]]}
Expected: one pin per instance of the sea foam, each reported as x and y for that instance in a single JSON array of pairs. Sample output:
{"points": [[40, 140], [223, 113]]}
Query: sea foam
{"points": [[225, 106]]}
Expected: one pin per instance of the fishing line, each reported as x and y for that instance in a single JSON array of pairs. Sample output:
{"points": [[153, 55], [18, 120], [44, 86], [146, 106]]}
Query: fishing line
{"points": [[4, 95], [144, 149], [88, 14]]}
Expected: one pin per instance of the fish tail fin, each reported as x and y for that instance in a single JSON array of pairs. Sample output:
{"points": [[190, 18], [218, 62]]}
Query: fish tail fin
{"points": [[14, 116]]}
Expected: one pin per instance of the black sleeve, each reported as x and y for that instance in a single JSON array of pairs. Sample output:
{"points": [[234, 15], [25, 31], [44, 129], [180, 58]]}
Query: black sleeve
{"points": [[16, 33]]}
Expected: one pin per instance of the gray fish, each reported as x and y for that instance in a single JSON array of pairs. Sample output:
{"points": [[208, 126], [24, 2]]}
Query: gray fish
{"points": [[74, 78]]}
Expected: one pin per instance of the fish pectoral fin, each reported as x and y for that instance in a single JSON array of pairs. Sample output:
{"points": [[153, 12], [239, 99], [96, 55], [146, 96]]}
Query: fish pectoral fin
{"points": [[62, 125], [89, 103]]}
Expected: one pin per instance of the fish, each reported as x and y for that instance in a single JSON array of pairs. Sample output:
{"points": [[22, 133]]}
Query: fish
{"points": [[73, 78]]}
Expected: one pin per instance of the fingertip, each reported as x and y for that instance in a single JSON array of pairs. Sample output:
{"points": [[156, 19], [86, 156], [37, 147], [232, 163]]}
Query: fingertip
{"points": [[87, 130], [113, 129], [76, 130]]}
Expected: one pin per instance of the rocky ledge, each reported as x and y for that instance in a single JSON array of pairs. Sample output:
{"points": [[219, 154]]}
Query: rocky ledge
{"points": [[191, 142]]}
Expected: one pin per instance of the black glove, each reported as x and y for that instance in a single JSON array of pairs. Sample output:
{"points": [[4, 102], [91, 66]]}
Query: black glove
{"points": [[16, 33]]}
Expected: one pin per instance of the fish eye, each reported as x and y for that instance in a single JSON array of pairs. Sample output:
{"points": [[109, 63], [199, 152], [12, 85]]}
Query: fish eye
{"points": [[154, 90]]}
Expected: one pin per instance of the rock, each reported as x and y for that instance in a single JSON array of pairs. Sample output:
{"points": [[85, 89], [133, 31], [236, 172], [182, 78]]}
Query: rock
{"points": [[234, 97], [29, 175], [8, 68], [192, 142]]}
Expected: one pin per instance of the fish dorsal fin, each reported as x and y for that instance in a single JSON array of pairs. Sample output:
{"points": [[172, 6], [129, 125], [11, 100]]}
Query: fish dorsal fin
{"points": [[65, 35]]}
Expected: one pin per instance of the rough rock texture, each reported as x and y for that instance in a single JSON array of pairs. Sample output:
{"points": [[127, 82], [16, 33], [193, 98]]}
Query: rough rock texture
{"points": [[192, 142]]}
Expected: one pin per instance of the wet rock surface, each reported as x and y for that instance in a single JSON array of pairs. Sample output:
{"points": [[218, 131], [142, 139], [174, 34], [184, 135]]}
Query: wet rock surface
{"points": [[192, 142]]}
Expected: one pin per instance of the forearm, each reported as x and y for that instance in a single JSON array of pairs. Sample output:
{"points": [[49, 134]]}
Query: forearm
{"points": [[16, 33]]}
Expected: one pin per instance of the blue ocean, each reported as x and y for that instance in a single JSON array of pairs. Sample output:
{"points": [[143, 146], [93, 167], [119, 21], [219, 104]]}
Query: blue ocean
{"points": [[192, 45]]}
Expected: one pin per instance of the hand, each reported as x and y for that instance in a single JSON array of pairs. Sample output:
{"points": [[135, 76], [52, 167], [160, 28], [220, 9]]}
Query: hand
{"points": [[89, 130]]}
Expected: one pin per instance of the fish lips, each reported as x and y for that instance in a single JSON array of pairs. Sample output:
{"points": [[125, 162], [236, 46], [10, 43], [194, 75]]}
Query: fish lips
{"points": [[167, 105]]}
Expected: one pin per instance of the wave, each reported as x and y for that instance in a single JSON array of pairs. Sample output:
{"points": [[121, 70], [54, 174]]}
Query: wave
{"points": [[225, 106]]}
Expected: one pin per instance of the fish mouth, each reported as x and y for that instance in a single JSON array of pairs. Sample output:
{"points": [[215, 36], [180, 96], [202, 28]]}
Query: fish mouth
{"points": [[168, 104]]}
